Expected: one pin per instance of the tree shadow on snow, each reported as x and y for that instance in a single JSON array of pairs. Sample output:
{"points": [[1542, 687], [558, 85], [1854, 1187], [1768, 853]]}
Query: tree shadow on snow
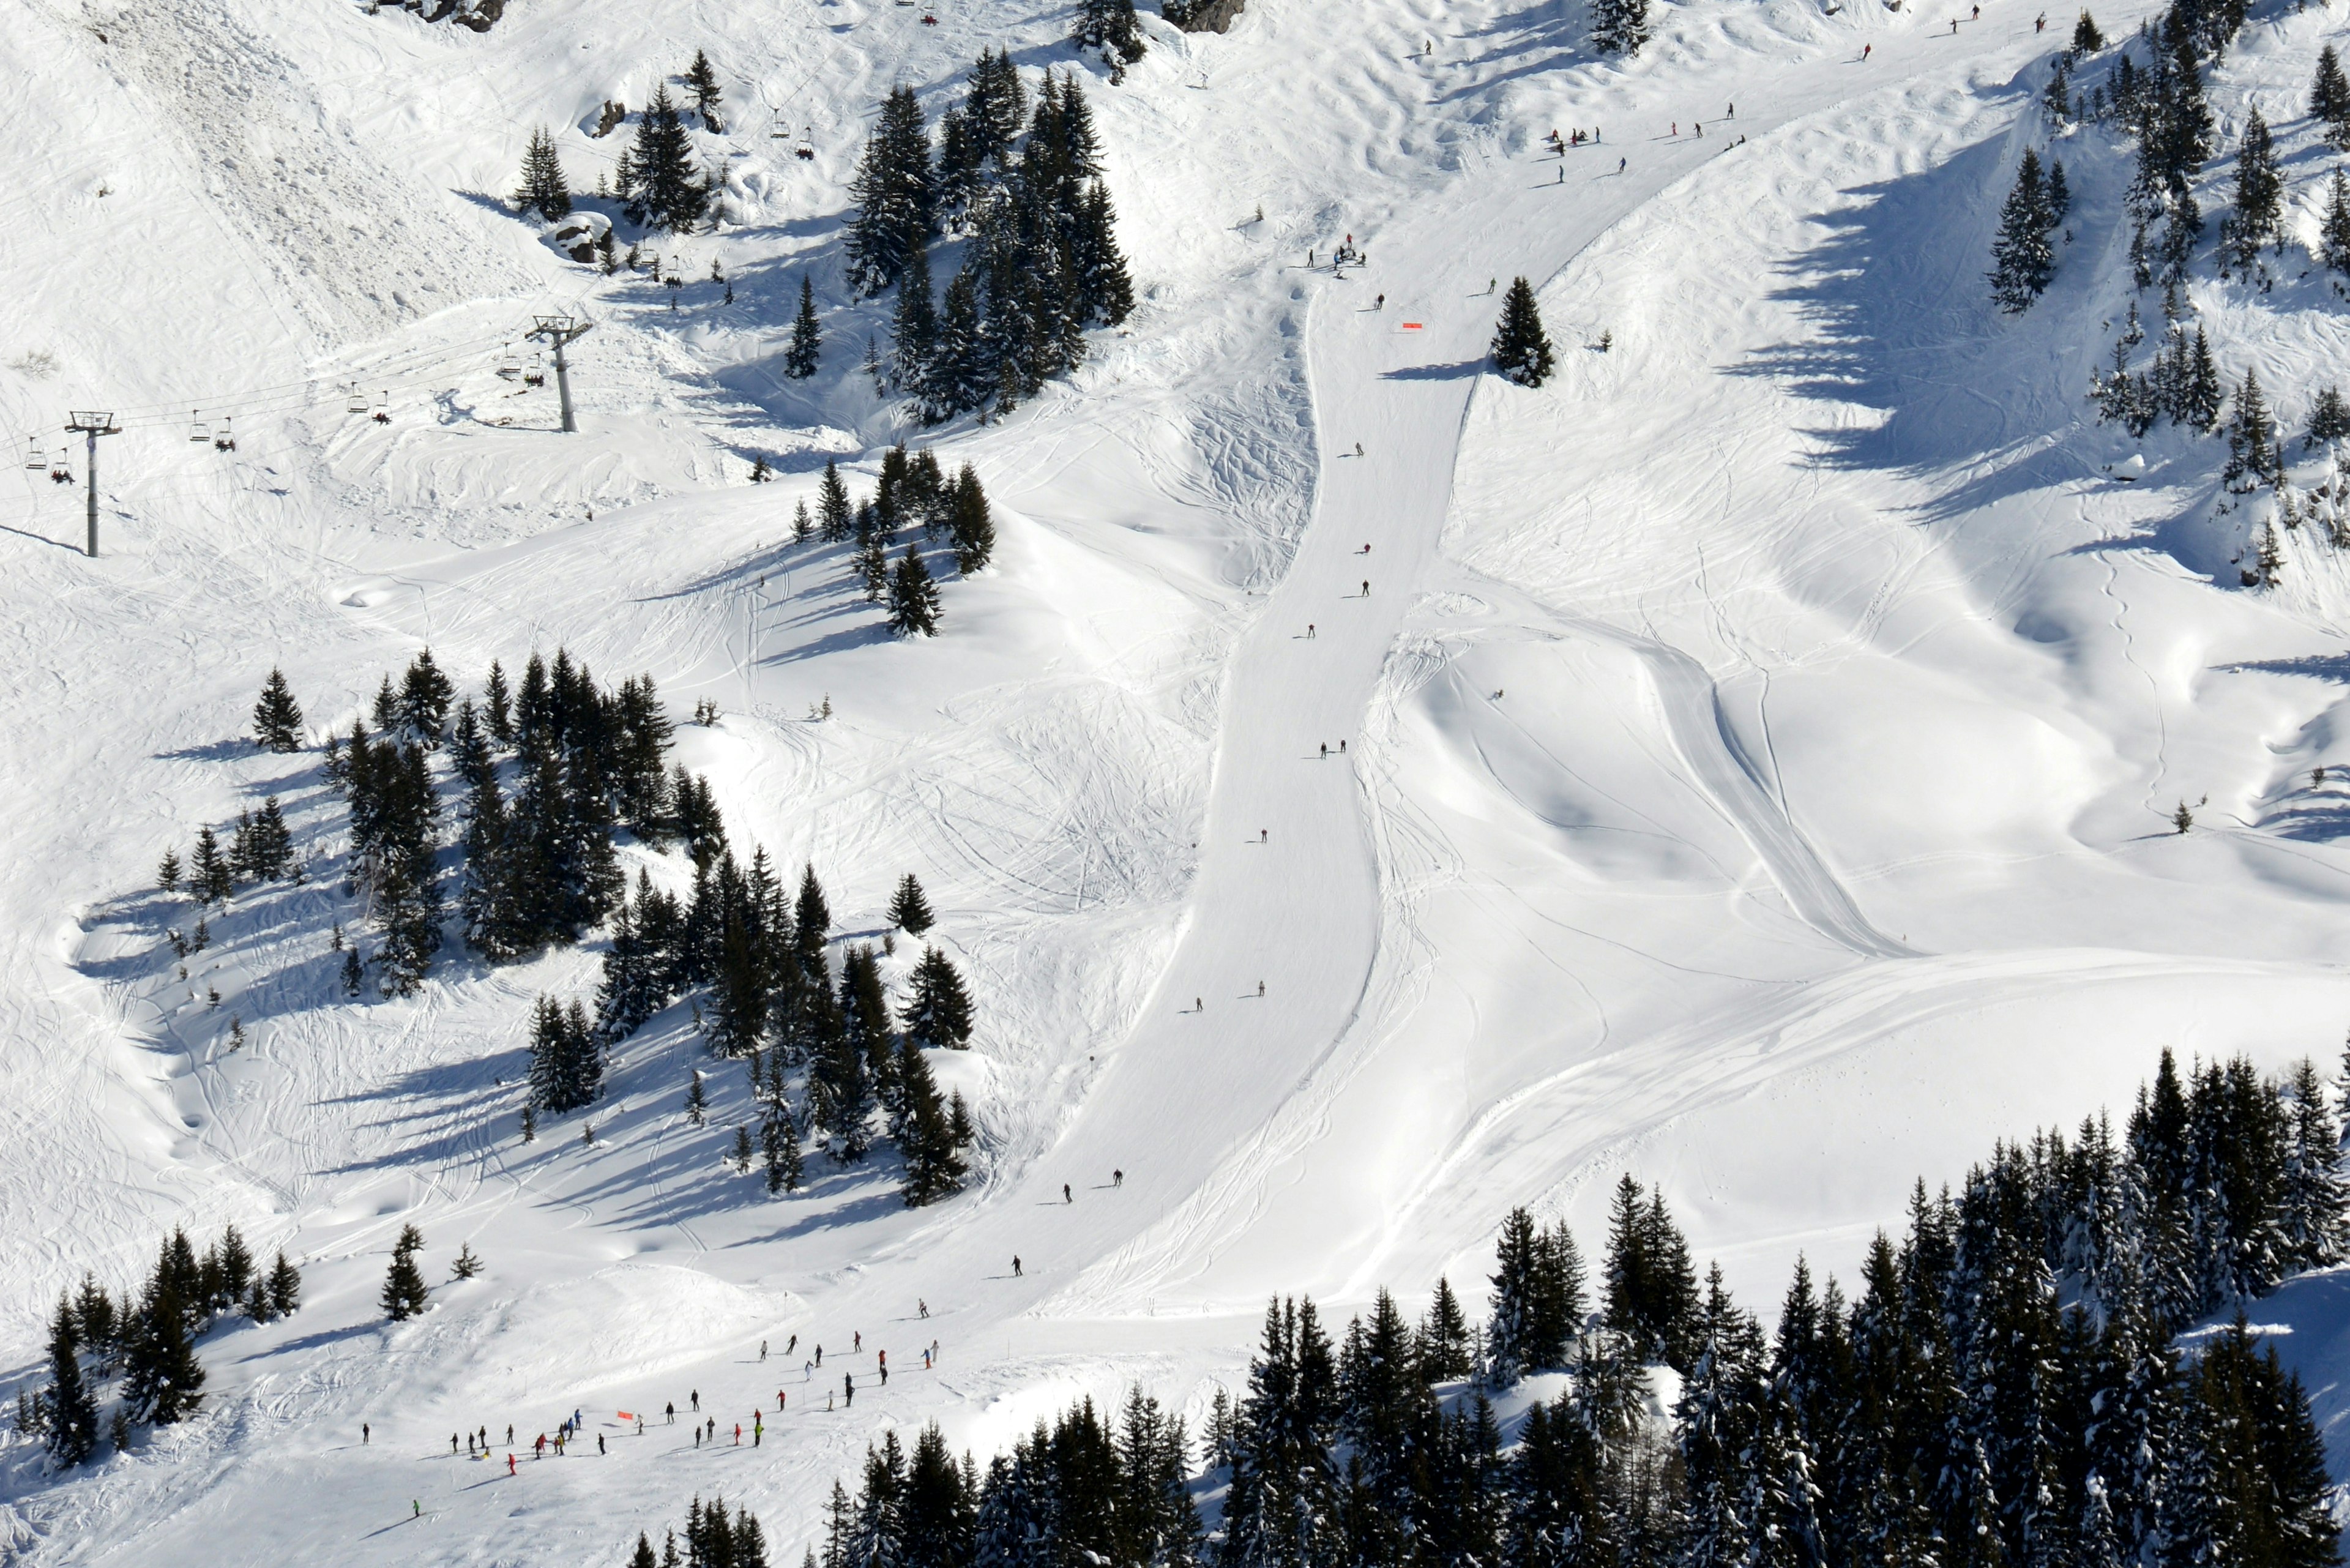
{"points": [[1460, 371], [1904, 325]]}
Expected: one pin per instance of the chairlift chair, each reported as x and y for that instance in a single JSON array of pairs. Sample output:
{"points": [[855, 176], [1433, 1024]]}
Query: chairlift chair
{"points": [[806, 151], [33, 458], [198, 431], [225, 439], [356, 402], [61, 470], [509, 367], [383, 408], [537, 376]]}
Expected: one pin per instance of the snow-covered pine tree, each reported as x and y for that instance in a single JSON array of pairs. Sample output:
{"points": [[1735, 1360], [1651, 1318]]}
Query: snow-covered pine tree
{"points": [[779, 1143], [69, 1412], [701, 81], [1619, 26], [2252, 430], [2022, 261], [914, 329], [957, 379], [167, 871], [909, 911], [405, 1293], [544, 190], [1521, 349], [938, 1015], [2087, 38], [872, 562], [667, 193], [2333, 230], [974, 525], [2329, 419], [2329, 99], [277, 717], [1108, 26], [896, 196], [162, 1381], [934, 1162], [2260, 190], [834, 515], [425, 694], [807, 338], [913, 598]]}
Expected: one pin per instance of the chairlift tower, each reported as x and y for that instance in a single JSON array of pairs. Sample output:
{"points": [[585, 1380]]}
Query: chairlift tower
{"points": [[93, 424], [560, 330]]}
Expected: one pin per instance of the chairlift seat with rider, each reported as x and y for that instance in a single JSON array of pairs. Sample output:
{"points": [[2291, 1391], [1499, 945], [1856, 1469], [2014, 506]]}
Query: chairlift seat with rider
{"points": [[806, 151], [224, 439]]}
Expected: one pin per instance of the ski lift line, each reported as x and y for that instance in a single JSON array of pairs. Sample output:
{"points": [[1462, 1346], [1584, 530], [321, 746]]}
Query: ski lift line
{"points": [[433, 354]]}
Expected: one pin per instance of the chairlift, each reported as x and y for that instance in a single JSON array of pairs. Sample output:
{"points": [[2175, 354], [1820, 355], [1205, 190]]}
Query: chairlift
{"points": [[509, 367], [356, 402], [383, 408], [61, 470], [197, 431], [806, 151], [225, 439], [930, 19], [33, 458]]}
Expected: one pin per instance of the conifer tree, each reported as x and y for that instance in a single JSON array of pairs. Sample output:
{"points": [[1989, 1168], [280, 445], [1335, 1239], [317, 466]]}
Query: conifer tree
{"points": [[1109, 25], [2329, 99], [2334, 230], [167, 872], [913, 598], [2260, 190], [277, 717], [162, 1381], [938, 1016], [2086, 38], [405, 1293], [909, 911], [70, 1414], [779, 1141], [2200, 396], [894, 189], [209, 878], [932, 1147], [2252, 430], [832, 507], [1619, 26], [957, 378], [973, 526], [543, 191], [1522, 350], [703, 82], [2021, 263], [663, 190], [2329, 419], [808, 339], [871, 561], [914, 330], [1443, 1348]]}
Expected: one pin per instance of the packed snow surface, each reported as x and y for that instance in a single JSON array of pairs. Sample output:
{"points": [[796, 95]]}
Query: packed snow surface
{"points": [[1751, 756]]}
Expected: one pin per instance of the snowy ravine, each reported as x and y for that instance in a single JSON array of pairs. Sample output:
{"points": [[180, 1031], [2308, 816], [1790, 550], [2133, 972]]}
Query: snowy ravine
{"points": [[1759, 744]]}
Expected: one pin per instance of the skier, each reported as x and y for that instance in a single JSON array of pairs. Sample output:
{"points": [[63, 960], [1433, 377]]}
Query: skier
{"points": [[1700, 128], [924, 1306], [762, 1350], [1562, 174], [1198, 1005], [1342, 748], [848, 1388], [738, 1434], [1366, 548], [819, 1356], [1620, 162], [510, 1464], [795, 1344], [452, 1445], [1732, 114], [1380, 303], [671, 1412], [1260, 988], [509, 1433], [697, 1395], [1264, 836], [856, 1340], [1015, 1265], [1325, 750], [1863, 50], [1367, 587], [1677, 128], [416, 1507], [1117, 1179], [363, 1434], [1309, 628], [600, 1445], [1064, 1193]]}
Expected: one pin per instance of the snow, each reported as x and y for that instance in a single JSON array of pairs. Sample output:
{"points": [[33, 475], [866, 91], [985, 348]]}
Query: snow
{"points": [[1760, 742]]}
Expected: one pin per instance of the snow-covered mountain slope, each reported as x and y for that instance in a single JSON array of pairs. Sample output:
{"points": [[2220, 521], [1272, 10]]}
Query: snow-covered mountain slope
{"points": [[1758, 743]]}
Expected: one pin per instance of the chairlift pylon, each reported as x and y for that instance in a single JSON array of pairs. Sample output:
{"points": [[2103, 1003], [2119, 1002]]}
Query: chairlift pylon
{"points": [[197, 429]]}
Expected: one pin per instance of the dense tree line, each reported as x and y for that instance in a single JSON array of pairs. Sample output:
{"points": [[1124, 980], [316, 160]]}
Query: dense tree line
{"points": [[912, 491], [830, 1058], [143, 1344], [1041, 263], [2007, 1386]]}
